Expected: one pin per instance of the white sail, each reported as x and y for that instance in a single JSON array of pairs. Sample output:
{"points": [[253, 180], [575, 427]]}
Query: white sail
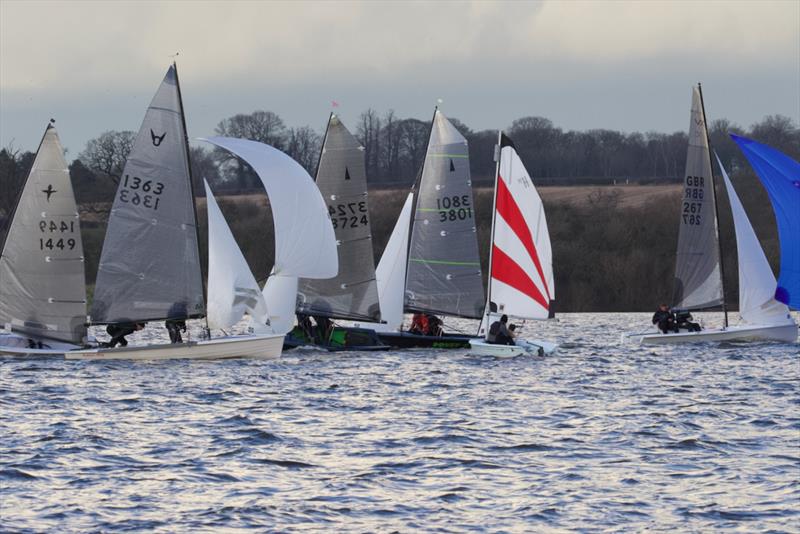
{"points": [[42, 286], [521, 272], [305, 245], [232, 288], [391, 271], [281, 293], [757, 283]]}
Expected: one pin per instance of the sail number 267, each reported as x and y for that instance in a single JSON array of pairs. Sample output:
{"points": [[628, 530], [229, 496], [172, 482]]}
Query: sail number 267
{"points": [[136, 191]]}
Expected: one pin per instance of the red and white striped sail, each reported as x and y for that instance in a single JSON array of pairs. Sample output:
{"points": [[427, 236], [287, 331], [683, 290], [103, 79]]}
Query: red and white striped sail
{"points": [[521, 275]]}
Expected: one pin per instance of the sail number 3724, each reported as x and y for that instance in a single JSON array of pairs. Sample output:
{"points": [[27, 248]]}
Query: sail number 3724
{"points": [[136, 191]]}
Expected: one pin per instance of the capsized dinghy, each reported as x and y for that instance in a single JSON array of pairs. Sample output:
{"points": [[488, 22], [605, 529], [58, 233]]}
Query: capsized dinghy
{"points": [[42, 284], [521, 261]]}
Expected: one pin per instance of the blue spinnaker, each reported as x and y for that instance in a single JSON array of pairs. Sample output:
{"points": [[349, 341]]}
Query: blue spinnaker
{"points": [[780, 175]]}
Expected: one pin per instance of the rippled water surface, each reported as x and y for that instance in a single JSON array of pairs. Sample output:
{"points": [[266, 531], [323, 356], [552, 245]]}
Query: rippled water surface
{"points": [[600, 437]]}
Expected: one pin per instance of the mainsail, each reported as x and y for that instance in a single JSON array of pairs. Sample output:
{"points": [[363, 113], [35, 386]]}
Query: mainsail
{"points": [[444, 271], [757, 304], [42, 284], [521, 272], [232, 288], [780, 175], [342, 180], [150, 265], [698, 278]]}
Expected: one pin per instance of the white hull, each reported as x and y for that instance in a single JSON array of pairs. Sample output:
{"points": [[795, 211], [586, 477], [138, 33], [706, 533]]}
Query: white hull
{"points": [[16, 345], [264, 347], [785, 332], [523, 347]]}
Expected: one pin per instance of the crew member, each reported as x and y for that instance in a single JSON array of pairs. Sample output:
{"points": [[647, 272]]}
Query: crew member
{"points": [[665, 319], [499, 334], [118, 333]]}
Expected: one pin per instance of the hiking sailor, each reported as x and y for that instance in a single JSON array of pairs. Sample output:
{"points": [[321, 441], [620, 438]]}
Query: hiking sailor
{"points": [[499, 333]]}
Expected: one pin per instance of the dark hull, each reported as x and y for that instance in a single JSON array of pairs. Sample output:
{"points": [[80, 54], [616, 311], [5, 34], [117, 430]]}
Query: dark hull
{"points": [[407, 340], [341, 338]]}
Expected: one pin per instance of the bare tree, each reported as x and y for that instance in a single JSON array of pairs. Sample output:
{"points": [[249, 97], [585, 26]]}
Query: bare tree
{"points": [[107, 154], [304, 146]]}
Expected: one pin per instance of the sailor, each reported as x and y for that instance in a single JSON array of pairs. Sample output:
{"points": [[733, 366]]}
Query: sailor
{"points": [[684, 320], [665, 319], [118, 333], [434, 326], [175, 327], [499, 333], [419, 324], [324, 328]]}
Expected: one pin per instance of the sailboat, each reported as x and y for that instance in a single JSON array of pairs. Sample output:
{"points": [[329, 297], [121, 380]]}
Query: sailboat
{"points": [[699, 274], [521, 281], [150, 264], [42, 283], [353, 293], [432, 259]]}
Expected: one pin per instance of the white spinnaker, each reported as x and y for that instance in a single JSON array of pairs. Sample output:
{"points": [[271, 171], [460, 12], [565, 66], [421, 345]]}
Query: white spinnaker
{"points": [[232, 288], [305, 245], [281, 293], [520, 237], [391, 271], [757, 283]]}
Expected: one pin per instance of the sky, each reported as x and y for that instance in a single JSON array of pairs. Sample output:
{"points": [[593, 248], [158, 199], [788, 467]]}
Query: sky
{"points": [[625, 65]]}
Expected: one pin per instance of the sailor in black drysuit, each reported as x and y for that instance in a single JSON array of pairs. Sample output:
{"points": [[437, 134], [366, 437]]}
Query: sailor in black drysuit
{"points": [[665, 319], [118, 333], [175, 327], [499, 334]]}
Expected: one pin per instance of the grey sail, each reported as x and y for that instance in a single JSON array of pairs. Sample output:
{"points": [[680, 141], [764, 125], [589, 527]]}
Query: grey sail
{"points": [[42, 284], [150, 265], [444, 270], [342, 180], [698, 280]]}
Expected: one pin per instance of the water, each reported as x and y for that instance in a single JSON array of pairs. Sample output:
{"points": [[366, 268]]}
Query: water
{"points": [[597, 438]]}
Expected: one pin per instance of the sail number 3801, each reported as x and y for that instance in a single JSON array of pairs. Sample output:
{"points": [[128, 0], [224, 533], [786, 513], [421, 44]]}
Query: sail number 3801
{"points": [[136, 191], [455, 208]]}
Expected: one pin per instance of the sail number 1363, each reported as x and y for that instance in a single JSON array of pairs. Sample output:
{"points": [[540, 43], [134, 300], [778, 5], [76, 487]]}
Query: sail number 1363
{"points": [[136, 191]]}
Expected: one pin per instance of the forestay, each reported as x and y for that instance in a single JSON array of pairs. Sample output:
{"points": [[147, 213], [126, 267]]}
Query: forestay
{"points": [[780, 175], [150, 265], [42, 285], [521, 272], [232, 289], [444, 271], [342, 181], [757, 304], [698, 280]]}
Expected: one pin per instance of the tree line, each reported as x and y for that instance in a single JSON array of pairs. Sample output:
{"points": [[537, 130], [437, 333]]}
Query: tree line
{"points": [[607, 256]]}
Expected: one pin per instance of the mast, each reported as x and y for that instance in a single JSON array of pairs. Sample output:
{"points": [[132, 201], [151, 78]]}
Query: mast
{"points": [[415, 189], [191, 188], [716, 206], [498, 152], [322, 146]]}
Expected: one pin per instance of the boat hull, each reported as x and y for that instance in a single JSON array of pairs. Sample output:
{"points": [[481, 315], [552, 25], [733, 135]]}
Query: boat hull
{"points": [[786, 333], [523, 347], [263, 347], [342, 338], [407, 340], [16, 345]]}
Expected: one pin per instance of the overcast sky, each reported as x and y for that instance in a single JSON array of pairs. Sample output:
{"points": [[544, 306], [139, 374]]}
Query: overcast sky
{"points": [[94, 66]]}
